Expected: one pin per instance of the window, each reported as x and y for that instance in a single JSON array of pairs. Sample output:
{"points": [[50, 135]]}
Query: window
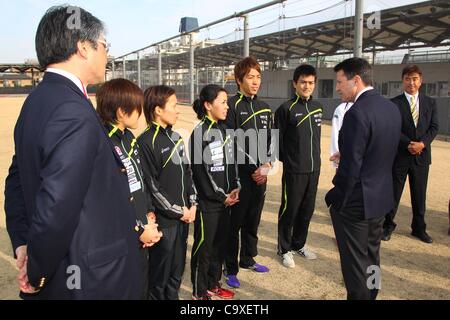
{"points": [[395, 88], [382, 88], [326, 88], [429, 89], [443, 89]]}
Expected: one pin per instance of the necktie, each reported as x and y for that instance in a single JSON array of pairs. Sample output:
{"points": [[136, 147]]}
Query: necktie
{"points": [[414, 111]]}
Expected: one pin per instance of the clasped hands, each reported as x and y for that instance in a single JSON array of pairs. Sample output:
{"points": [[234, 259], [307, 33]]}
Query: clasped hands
{"points": [[260, 174]]}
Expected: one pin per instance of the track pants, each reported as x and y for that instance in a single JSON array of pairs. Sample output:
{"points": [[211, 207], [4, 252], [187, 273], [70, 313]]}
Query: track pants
{"points": [[167, 261], [296, 210], [208, 251], [245, 218]]}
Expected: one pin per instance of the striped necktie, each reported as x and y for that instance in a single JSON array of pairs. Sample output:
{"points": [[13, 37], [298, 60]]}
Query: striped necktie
{"points": [[414, 111]]}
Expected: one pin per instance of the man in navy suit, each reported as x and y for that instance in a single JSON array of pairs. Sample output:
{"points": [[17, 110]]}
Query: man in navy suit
{"points": [[363, 190], [68, 208], [419, 128]]}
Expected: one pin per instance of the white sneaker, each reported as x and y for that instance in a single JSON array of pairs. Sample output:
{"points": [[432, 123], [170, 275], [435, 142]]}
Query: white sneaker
{"points": [[306, 253], [288, 260]]}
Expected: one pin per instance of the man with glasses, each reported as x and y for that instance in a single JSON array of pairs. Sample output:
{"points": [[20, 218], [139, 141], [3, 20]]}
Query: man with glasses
{"points": [[299, 121], [68, 208]]}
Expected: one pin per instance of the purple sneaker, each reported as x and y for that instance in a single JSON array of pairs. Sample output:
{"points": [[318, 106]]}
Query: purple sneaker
{"points": [[257, 268], [232, 281]]}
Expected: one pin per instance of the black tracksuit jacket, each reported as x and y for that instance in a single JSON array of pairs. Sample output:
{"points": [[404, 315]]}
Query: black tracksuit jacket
{"points": [[213, 166], [299, 124], [127, 149], [248, 113], [164, 160]]}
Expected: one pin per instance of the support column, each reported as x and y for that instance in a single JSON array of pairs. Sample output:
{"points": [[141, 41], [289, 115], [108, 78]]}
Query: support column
{"points": [[223, 77], [191, 67], [124, 69], [113, 63], [139, 79], [246, 37], [359, 27], [160, 77]]}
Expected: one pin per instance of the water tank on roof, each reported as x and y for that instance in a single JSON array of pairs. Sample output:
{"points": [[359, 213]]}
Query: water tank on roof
{"points": [[188, 24]]}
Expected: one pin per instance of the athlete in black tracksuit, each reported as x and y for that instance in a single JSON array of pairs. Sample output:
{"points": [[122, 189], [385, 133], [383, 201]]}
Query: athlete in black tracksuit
{"points": [[215, 176], [128, 150], [247, 113], [299, 122], [172, 188]]}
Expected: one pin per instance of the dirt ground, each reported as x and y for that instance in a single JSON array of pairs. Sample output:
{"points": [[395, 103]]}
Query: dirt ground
{"points": [[410, 269]]}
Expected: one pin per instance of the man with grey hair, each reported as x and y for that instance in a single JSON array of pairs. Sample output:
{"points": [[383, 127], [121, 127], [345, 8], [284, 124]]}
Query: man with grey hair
{"points": [[68, 208]]}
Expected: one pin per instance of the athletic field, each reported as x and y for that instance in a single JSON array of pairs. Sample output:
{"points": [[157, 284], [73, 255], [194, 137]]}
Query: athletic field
{"points": [[410, 269]]}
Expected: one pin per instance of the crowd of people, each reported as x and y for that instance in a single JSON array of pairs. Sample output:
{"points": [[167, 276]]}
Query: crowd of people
{"points": [[94, 212]]}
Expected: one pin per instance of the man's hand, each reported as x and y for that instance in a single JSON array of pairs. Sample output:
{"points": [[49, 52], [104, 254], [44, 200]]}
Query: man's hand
{"points": [[21, 253], [22, 277], [336, 158], [416, 148]]}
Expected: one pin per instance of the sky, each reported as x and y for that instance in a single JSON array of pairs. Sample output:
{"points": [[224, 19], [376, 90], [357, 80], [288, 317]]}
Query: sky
{"points": [[135, 24]]}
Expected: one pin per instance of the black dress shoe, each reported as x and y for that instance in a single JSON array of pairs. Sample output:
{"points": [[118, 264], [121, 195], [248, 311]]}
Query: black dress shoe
{"points": [[423, 236], [386, 234]]}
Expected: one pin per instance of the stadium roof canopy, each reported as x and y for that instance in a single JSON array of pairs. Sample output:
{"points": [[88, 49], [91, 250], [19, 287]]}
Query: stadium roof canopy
{"points": [[19, 68], [425, 24]]}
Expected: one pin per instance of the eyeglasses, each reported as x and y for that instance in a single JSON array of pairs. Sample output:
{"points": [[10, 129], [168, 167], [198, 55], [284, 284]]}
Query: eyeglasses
{"points": [[105, 44]]}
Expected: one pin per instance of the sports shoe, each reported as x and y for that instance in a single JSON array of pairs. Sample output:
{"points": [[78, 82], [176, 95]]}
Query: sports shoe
{"points": [[257, 268], [232, 281], [306, 253], [288, 260], [220, 292], [204, 297]]}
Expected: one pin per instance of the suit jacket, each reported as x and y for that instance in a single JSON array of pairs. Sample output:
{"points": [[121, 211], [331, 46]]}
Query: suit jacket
{"points": [[368, 143], [426, 131], [67, 198]]}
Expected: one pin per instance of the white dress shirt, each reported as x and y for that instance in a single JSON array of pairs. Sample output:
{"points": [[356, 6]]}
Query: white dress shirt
{"points": [[336, 124], [71, 77], [362, 91]]}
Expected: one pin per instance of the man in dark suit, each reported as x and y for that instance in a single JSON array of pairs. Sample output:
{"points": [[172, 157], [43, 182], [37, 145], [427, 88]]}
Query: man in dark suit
{"points": [[67, 202], [363, 191], [419, 128]]}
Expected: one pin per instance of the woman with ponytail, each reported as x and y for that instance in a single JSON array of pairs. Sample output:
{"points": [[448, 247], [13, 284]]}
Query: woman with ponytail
{"points": [[216, 179]]}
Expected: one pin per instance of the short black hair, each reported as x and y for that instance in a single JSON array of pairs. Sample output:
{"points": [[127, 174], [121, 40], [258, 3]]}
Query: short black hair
{"points": [[304, 70], [60, 30], [356, 66]]}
